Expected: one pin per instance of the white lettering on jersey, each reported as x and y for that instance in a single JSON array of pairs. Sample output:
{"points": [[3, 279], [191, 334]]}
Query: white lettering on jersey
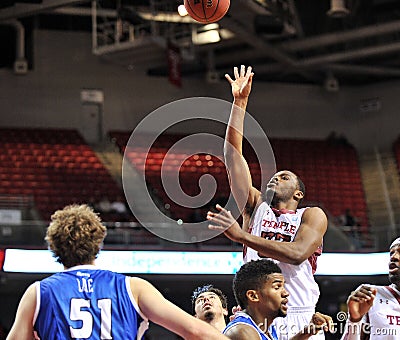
{"points": [[85, 285]]}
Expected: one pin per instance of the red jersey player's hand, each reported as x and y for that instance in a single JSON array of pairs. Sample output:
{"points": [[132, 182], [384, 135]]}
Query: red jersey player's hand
{"points": [[241, 85], [224, 221], [360, 301]]}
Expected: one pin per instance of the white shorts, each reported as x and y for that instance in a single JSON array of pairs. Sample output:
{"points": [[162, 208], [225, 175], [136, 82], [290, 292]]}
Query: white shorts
{"points": [[295, 321]]}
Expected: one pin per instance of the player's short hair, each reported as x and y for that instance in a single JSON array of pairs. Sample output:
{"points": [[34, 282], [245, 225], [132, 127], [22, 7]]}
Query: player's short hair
{"points": [[252, 276], [205, 289], [75, 235]]}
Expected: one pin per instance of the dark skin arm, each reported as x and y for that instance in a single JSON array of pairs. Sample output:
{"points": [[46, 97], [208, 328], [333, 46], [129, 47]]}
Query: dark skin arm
{"points": [[246, 196], [319, 322], [308, 238], [360, 301]]}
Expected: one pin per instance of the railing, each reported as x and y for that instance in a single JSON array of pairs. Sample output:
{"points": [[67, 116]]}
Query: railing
{"points": [[19, 202], [120, 235], [131, 235]]}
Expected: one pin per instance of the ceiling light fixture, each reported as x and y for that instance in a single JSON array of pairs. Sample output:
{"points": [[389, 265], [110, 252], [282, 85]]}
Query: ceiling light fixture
{"points": [[338, 9], [182, 10]]}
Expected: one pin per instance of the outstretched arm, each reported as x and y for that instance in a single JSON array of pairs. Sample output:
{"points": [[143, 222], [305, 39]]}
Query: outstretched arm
{"points": [[359, 303], [22, 328], [164, 313], [246, 196], [309, 237]]}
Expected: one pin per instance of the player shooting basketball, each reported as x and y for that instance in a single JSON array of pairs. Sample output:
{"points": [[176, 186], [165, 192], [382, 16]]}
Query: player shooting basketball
{"points": [[277, 230]]}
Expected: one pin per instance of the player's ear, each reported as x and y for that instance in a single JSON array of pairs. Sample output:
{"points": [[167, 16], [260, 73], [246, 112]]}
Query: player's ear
{"points": [[252, 295], [225, 311], [298, 195]]}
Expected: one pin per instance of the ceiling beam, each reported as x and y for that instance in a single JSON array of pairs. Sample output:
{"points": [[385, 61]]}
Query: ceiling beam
{"points": [[264, 48], [340, 37], [24, 10], [364, 70], [347, 55]]}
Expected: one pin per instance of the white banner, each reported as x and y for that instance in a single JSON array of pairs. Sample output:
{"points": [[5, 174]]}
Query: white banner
{"points": [[178, 262]]}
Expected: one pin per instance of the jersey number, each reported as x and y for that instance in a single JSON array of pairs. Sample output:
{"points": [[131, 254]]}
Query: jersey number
{"points": [[275, 236], [270, 235], [77, 314]]}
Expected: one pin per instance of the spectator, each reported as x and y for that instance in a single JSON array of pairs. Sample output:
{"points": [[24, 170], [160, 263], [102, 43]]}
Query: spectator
{"points": [[119, 208], [104, 206], [351, 225]]}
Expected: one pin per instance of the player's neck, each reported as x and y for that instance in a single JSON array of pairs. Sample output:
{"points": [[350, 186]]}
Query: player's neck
{"points": [[219, 324], [290, 206], [259, 318], [397, 286]]}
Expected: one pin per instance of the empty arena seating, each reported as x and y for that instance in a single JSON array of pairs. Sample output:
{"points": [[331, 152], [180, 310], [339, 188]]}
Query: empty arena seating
{"points": [[330, 172], [56, 167], [190, 167]]}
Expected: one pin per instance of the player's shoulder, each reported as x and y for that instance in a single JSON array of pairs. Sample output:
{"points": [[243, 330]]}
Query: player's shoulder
{"points": [[241, 330], [313, 209], [314, 212]]}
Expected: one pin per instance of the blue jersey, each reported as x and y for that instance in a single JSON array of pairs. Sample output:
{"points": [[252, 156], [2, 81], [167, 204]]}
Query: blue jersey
{"points": [[84, 302], [243, 318]]}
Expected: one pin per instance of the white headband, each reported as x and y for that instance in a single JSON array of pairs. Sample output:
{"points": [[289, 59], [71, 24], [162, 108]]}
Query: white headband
{"points": [[396, 242]]}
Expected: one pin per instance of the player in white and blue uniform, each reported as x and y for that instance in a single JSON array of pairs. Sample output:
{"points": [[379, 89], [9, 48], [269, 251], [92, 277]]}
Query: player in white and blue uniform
{"points": [[244, 319], [259, 290], [85, 302]]}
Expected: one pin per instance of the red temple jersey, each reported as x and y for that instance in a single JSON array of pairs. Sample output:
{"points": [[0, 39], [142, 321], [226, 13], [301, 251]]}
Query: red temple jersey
{"points": [[300, 283]]}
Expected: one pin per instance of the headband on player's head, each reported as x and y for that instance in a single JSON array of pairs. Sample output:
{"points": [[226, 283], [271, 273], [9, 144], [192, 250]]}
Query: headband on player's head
{"points": [[396, 242]]}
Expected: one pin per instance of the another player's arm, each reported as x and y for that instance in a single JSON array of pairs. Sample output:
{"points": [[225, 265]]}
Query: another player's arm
{"points": [[22, 328], [318, 322], [309, 237], [359, 303], [242, 332], [246, 196], [164, 313]]}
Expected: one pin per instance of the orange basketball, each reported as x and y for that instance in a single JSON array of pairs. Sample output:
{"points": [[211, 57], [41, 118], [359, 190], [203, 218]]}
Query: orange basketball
{"points": [[207, 11]]}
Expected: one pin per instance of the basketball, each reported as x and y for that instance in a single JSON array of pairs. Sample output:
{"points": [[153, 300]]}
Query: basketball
{"points": [[207, 11]]}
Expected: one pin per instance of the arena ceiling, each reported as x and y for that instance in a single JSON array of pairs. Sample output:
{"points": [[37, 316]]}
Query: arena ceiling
{"points": [[327, 42]]}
